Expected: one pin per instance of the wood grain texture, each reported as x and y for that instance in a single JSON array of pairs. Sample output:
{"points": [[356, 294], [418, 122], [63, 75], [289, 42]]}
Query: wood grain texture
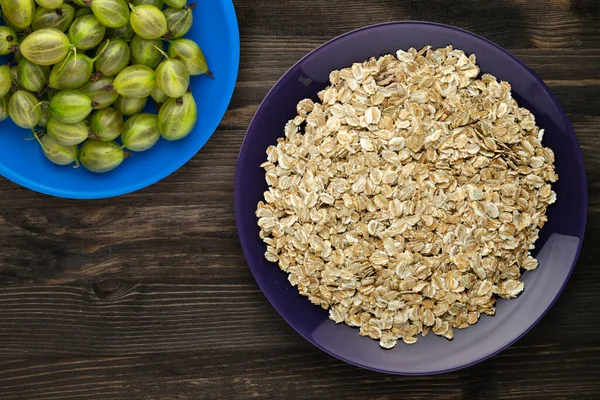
{"points": [[148, 296]]}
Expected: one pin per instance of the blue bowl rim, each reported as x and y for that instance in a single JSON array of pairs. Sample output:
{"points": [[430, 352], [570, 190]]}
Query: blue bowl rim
{"points": [[233, 28], [245, 238]]}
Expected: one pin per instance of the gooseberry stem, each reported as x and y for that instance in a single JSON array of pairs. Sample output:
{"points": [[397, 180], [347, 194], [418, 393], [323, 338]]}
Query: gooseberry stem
{"points": [[101, 52], [74, 50], [39, 104], [165, 55], [39, 141]]}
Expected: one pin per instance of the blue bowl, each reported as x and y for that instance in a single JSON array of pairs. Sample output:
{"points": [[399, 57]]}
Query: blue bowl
{"points": [[556, 249], [216, 31]]}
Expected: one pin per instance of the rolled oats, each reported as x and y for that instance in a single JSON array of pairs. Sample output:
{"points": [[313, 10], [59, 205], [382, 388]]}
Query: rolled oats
{"points": [[410, 197]]}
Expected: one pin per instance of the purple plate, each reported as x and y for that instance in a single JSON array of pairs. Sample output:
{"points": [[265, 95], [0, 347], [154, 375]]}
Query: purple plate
{"points": [[557, 248]]}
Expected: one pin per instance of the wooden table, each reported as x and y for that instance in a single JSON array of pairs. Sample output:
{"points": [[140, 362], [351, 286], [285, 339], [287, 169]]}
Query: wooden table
{"points": [[148, 296]]}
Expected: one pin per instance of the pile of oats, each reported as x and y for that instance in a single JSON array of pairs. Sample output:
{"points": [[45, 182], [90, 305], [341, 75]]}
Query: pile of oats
{"points": [[410, 197]]}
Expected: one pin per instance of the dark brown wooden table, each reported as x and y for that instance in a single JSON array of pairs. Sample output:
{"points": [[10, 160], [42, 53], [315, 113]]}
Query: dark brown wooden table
{"points": [[148, 296]]}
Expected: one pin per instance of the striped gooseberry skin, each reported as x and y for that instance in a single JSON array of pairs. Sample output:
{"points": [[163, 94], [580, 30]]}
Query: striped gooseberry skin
{"points": [[60, 18], [70, 106], [114, 59], [67, 134], [18, 12], [86, 32], [129, 106], [57, 153], [173, 78], [23, 109], [31, 76], [146, 51], [179, 21], [177, 117], [148, 21], [140, 132], [188, 52], [137, 81], [112, 13], [100, 157], [106, 124], [47, 46]]}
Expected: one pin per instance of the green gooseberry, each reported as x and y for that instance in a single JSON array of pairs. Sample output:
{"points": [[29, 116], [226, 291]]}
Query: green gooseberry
{"points": [[71, 106], [188, 52], [95, 90], [179, 20], [136, 81], [112, 13], [172, 77], [24, 110], [8, 38], [148, 21], [67, 134], [107, 124], [100, 157], [31, 76], [59, 18], [177, 117], [18, 12], [115, 58], [46, 46], [86, 32], [140, 132], [5, 80], [129, 106], [146, 52], [58, 154]]}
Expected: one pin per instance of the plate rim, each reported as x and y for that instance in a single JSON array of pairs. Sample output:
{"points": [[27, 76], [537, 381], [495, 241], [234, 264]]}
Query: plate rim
{"points": [[244, 238], [232, 26]]}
